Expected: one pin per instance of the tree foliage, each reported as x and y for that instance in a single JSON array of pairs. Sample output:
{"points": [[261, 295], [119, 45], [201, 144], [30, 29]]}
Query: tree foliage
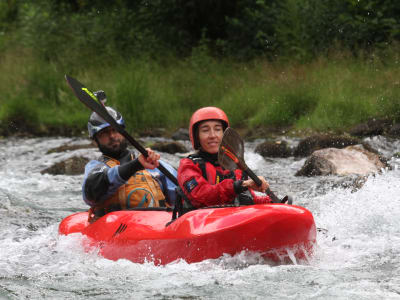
{"points": [[242, 29]]}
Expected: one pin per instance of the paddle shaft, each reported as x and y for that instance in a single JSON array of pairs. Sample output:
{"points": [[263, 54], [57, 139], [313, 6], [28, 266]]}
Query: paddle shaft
{"points": [[87, 98], [253, 176], [257, 180]]}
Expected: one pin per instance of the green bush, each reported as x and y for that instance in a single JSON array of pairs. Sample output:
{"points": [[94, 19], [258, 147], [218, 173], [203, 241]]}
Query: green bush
{"points": [[70, 31]]}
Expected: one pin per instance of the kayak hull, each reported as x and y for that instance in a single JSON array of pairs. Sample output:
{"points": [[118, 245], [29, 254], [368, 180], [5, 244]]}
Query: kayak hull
{"points": [[276, 231]]}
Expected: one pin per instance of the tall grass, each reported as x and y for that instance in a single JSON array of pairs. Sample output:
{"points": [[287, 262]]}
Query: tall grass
{"points": [[329, 93]]}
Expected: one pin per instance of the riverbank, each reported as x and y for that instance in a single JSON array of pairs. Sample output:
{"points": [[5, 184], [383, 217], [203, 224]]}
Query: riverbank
{"points": [[329, 94]]}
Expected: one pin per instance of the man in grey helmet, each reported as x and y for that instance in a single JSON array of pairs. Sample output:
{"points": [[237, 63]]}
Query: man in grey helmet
{"points": [[117, 180]]}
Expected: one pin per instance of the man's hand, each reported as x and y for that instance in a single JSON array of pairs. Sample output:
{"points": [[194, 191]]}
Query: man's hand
{"points": [[252, 185], [151, 161]]}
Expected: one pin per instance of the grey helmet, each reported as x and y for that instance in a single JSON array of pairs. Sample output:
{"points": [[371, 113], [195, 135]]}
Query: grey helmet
{"points": [[97, 123]]}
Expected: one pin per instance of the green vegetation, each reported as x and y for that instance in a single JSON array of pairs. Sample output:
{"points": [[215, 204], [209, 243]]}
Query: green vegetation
{"points": [[324, 65], [327, 94]]}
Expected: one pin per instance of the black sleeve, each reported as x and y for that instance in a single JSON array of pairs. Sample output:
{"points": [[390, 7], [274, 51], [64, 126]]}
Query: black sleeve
{"points": [[96, 185], [126, 170]]}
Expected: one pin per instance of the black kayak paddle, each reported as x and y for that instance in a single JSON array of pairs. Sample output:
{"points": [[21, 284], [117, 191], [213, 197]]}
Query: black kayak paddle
{"points": [[90, 100]]}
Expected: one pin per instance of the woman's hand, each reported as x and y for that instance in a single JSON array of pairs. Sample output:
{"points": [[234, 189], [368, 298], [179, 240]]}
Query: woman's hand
{"points": [[252, 185], [151, 161]]}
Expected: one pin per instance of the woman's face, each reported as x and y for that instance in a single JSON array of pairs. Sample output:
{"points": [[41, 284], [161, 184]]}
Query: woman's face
{"points": [[210, 135]]}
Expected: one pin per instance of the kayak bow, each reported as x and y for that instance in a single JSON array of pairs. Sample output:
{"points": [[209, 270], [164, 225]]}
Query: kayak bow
{"points": [[275, 231]]}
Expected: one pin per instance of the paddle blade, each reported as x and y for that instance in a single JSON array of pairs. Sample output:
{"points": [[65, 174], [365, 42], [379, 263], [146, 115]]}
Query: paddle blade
{"points": [[231, 150], [90, 100], [231, 157]]}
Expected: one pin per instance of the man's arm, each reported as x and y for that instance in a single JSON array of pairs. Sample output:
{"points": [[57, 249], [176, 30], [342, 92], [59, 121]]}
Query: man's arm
{"points": [[101, 182]]}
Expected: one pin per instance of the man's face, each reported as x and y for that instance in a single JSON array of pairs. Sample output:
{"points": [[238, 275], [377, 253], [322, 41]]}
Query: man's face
{"points": [[111, 142]]}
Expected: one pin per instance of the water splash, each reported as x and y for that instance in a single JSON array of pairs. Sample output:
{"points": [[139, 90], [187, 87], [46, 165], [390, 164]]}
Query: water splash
{"points": [[358, 257]]}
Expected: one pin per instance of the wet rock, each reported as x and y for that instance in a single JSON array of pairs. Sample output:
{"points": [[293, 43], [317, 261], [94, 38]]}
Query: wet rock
{"points": [[17, 126], [350, 160], [354, 184], [153, 132], [264, 132], [22, 126], [254, 133], [394, 130], [274, 149], [321, 141], [67, 147], [371, 128], [169, 147], [181, 134], [72, 166], [316, 166]]}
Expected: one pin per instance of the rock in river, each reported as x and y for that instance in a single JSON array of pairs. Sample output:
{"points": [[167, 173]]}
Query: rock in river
{"points": [[72, 166], [350, 160]]}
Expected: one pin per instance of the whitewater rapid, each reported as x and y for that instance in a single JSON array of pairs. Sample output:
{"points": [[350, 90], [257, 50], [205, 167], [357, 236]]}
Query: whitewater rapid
{"points": [[357, 254]]}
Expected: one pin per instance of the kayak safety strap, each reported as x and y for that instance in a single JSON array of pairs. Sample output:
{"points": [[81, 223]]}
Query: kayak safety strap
{"points": [[182, 205]]}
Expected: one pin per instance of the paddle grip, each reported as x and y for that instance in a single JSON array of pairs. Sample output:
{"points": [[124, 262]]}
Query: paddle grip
{"points": [[253, 176], [141, 149], [257, 180], [145, 154]]}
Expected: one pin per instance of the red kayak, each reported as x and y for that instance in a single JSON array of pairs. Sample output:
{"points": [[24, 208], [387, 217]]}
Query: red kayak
{"points": [[274, 230]]}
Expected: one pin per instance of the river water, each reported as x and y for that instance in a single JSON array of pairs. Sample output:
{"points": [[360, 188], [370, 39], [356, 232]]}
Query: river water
{"points": [[357, 255]]}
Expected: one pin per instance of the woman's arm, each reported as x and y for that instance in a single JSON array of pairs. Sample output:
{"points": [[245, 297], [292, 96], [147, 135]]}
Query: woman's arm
{"points": [[199, 191]]}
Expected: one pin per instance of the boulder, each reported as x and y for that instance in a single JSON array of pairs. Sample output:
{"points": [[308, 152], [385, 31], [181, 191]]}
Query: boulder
{"points": [[394, 130], [350, 160], [72, 166], [67, 147], [181, 134], [169, 147], [371, 128], [152, 132], [273, 149], [322, 141]]}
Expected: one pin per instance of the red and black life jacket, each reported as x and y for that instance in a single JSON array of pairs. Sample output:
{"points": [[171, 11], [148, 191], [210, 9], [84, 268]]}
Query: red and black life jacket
{"points": [[213, 176]]}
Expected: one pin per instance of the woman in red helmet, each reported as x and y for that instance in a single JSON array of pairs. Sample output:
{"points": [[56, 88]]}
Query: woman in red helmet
{"points": [[203, 181]]}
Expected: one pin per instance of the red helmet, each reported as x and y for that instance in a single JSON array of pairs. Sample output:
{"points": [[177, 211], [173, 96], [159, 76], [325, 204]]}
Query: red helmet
{"points": [[203, 114]]}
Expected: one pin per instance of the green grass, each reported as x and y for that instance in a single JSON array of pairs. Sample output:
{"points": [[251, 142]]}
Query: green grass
{"points": [[326, 94]]}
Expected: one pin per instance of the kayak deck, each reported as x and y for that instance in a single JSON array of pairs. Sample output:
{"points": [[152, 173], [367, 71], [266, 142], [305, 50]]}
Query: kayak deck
{"points": [[140, 236]]}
